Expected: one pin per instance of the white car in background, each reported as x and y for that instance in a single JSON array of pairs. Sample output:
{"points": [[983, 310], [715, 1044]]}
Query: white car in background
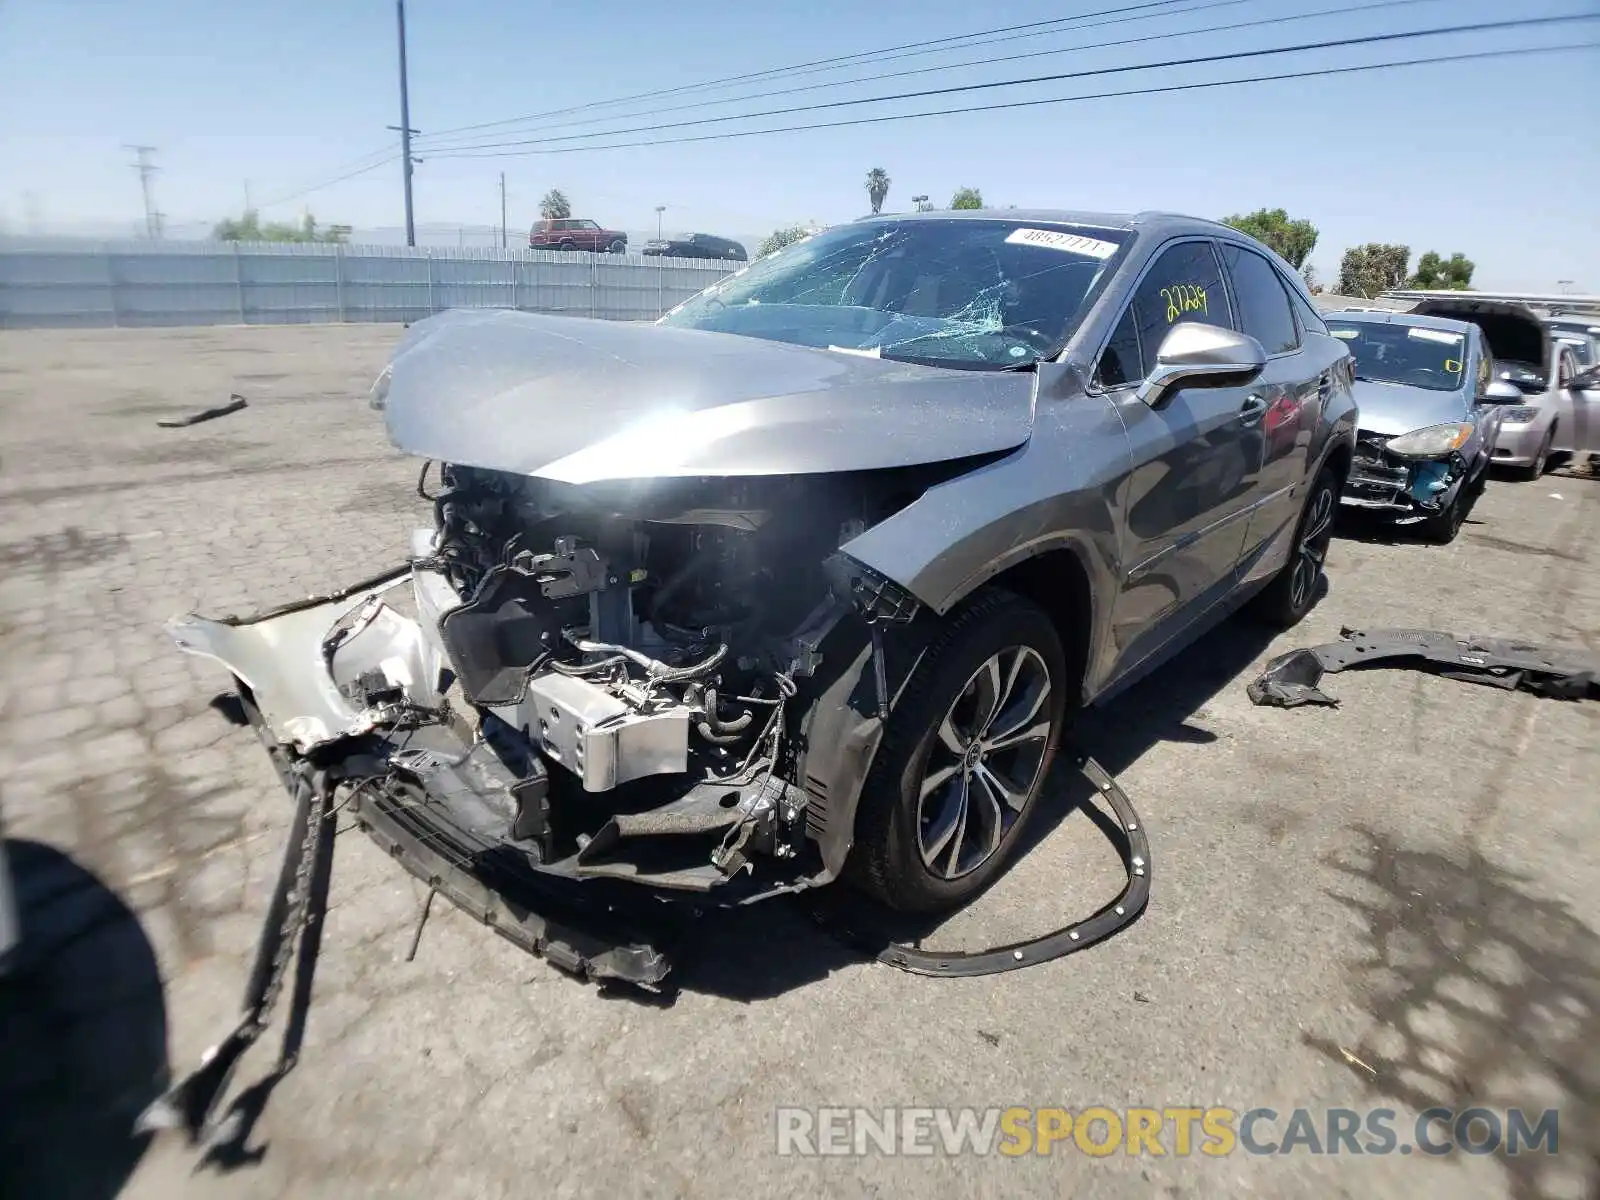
{"points": [[1559, 413]]}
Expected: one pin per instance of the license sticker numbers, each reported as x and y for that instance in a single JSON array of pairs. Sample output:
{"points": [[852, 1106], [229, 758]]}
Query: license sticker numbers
{"points": [[1054, 239]]}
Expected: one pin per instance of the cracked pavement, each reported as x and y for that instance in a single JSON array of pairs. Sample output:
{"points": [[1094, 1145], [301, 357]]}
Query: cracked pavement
{"points": [[1407, 882]]}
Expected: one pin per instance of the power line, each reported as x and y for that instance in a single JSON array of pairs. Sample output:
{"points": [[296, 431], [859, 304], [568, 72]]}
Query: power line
{"points": [[886, 54], [390, 157], [1230, 56], [347, 170], [1303, 73], [1003, 58]]}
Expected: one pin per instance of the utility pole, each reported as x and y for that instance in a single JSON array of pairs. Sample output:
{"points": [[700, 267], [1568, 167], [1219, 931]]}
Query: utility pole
{"points": [[502, 210], [405, 124], [152, 218], [247, 196]]}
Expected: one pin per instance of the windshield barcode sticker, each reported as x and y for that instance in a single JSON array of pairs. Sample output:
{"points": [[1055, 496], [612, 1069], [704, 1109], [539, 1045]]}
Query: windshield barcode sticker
{"points": [[1348, 335], [1434, 335], [1053, 239]]}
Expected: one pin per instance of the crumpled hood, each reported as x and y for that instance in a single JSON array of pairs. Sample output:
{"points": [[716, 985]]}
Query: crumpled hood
{"points": [[1390, 409], [579, 400]]}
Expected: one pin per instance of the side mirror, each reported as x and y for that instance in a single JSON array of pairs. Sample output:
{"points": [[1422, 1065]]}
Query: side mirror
{"points": [[1585, 381], [1501, 391], [1198, 355]]}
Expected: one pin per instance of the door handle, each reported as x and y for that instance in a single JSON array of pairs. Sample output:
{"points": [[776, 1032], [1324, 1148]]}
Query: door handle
{"points": [[1254, 408]]}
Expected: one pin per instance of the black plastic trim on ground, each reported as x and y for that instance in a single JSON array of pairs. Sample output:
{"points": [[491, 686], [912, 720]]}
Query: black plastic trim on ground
{"points": [[1069, 939]]}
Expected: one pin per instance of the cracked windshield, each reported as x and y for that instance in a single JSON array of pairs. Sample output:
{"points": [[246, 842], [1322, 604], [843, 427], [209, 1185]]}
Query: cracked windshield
{"points": [[973, 294], [1405, 354]]}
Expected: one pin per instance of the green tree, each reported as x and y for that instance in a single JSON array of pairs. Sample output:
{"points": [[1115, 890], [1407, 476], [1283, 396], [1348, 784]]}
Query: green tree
{"points": [[1376, 267], [1435, 272], [779, 238], [555, 206], [967, 198], [248, 228], [1272, 227], [877, 187]]}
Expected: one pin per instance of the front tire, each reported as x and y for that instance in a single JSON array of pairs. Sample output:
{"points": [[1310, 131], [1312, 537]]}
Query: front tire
{"points": [[963, 758], [1293, 591], [1441, 528], [1541, 462], [619, 247]]}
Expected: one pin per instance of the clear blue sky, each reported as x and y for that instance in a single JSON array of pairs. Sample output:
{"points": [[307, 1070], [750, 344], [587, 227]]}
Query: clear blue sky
{"points": [[1496, 159]]}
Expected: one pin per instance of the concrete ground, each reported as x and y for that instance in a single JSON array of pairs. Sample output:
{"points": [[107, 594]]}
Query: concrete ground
{"points": [[1391, 904]]}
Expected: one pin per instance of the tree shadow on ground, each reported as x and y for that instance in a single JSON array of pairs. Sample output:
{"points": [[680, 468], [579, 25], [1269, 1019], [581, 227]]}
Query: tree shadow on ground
{"points": [[1480, 994], [83, 1033]]}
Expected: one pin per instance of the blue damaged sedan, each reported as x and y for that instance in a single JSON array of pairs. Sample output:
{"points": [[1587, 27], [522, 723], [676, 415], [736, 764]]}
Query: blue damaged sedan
{"points": [[1429, 416]]}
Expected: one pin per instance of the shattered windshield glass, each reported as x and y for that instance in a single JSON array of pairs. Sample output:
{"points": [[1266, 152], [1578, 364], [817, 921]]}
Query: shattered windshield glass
{"points": [[971, 293]]}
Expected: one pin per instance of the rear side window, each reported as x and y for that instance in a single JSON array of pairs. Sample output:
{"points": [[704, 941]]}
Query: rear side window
{"points": [[1264, 311], [1310, 319], [1184, 284]]}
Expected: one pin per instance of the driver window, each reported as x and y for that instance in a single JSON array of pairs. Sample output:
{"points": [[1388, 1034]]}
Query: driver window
{"points": [[1184, 284]]}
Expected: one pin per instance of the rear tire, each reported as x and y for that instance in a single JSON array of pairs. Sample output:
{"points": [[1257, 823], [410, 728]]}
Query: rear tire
{"points": [[1293, 591], [964, 757], [565, 244]]}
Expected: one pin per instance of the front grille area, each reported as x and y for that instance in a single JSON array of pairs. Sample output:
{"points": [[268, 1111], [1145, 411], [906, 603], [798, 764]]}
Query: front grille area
{"points": [[1375, 474]]}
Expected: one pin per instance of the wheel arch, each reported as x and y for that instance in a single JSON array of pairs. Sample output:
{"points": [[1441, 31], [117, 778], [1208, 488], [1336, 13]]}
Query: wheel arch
{"points": [[1340, 457], [1057, 580], [841, 734]]}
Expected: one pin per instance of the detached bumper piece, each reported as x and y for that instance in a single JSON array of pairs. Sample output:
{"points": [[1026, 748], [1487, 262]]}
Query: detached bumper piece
{"points": [[1561, 673], [847, 923], [345, 685]]}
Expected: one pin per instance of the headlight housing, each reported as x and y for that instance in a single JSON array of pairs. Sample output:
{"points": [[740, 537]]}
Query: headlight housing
{"points": [[1519, 413], [1435, 441], [378, 394]]}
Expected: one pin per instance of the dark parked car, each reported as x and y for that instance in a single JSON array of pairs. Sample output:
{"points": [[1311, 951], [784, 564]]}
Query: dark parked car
{"points": [[573, 233], [810, 577], [697, 245], [1430, 414]]}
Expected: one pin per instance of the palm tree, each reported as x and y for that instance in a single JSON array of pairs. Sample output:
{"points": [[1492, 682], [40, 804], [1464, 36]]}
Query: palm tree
{"points": [[877, 187], [555, 206]]}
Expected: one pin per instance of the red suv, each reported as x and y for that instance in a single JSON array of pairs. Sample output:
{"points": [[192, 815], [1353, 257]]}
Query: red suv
{"points": [[571, 233]]}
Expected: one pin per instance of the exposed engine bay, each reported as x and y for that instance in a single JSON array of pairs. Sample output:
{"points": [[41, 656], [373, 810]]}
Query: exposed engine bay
{"points": [[652, 651], [1409, 489]]}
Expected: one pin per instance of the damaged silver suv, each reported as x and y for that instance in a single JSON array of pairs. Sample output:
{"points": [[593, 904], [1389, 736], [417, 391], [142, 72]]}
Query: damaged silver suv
{"points": [[807, 578]]}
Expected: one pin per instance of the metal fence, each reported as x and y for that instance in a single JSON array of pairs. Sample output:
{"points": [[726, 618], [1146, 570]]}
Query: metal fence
{"points": [[48, 283]]}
